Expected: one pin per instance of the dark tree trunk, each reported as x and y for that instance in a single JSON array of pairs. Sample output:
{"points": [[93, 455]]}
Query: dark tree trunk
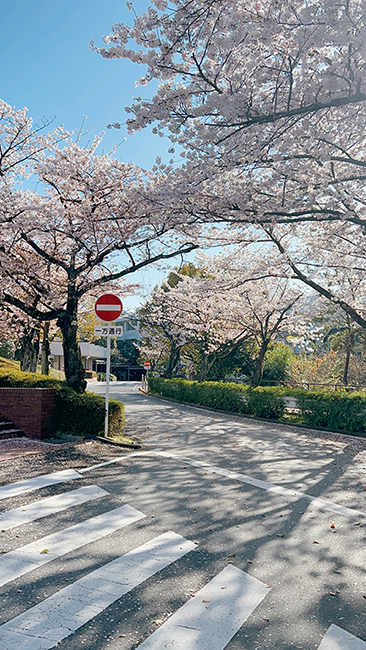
{"points": [[34, 361], [173, 360], [45, 369], [29, 349], [68, 324], [26, 350], [259, 364], [349, 346]]}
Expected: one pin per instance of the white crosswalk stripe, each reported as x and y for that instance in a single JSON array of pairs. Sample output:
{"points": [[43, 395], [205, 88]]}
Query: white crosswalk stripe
{"points": [[14, 489], [49, 506], [210, 619], [44, 625], [26, 558], [338, 639], [316, 502]]}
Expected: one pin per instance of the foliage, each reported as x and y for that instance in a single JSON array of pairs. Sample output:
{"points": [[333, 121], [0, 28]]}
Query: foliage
{"points": [[76, 413], [6, 348], [209, 311], [84, 414], [278, 362], [129, 351], [344, 411], [332, 410], [241, 361], [314, 369], [102, 376], [236, 398]]}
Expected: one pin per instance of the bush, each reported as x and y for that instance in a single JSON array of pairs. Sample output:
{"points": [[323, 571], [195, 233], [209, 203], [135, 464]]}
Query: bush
{"points": [[344, 411], [235, 398], [265, 403], [102, 376], [13, 378], [76, 413], [84, 413], [332, 410]]}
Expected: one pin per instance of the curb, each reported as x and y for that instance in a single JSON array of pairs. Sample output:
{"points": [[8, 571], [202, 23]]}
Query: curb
{"points": [[106, 441]]}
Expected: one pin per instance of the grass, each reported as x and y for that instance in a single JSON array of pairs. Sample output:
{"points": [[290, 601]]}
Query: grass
{"points": [[60, 438], [123, 439]]}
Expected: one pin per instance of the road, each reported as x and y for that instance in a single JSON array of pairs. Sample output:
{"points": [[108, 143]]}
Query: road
{"points": [[222, 532]]}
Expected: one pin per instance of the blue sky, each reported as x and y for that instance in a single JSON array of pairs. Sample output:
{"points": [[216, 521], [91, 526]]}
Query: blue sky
{"points": [[47, 66]]}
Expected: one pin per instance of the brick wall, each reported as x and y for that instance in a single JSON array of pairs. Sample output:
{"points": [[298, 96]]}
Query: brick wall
{"points": [[31, 409]]}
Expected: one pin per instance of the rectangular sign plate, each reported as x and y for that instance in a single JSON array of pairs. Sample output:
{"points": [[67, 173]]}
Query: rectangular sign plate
{"points": [[111, 330]]}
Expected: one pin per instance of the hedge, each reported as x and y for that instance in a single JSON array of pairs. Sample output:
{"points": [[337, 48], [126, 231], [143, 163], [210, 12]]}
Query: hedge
{"points": [[84, 413], [331, 410], [236, 398], [76, 413]]}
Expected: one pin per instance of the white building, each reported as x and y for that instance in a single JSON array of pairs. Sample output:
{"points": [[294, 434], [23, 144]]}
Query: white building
{"points": [[131, 328], [93, 356]]}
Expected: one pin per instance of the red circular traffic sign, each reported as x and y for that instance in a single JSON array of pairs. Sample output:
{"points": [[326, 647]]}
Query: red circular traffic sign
{"points": [[147, 364], [108, 307]]}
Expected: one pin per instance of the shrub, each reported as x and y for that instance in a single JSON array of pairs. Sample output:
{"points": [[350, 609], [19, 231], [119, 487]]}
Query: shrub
{"points": [[341, 411], [345, 411], [235, 398], [84, 413], [13, 378], [265, 403], [76, 413], [102, 376]]}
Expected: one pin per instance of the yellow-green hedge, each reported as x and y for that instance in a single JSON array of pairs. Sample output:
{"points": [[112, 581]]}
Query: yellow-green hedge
{"points": [[341, 411], [236, 398]]}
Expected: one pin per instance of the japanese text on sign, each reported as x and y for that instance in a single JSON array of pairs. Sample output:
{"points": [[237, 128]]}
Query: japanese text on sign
{"points": [[108, 331]]}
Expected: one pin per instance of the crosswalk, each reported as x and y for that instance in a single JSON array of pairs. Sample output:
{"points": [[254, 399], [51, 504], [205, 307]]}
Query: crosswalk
{"points": [[49, 506], [207, 621]]}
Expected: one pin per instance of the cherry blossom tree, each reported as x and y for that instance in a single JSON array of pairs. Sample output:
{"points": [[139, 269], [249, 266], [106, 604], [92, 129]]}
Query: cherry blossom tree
{"points": [[257, 90], [213, 312], [327, 258], [265, 102], [228, 68], [95, 221], [162, 339]]}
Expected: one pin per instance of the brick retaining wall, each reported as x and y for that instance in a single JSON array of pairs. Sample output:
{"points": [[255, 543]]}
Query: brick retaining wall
{"points": [[31, 409]]}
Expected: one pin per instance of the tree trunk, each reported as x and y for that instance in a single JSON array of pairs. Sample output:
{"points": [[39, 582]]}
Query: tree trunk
{"points": [[45, 369], [68, 324], [259, 364], [349, 346], [173, 359], [29, 349], [26, 348], [35, 354], [205, 366]]}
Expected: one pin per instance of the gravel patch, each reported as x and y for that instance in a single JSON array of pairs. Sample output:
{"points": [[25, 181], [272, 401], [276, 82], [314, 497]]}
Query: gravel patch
{"points": [[21, 458]]}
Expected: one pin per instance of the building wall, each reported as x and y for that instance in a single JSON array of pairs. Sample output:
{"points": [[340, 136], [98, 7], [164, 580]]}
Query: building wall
{"points": [[31, 409]]}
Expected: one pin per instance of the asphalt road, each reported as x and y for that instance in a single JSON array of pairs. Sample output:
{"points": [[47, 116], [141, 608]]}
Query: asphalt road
{"points": [[267, 520]]}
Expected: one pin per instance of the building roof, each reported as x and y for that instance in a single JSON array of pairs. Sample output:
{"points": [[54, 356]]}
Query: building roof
{"points": [[87, 350]]}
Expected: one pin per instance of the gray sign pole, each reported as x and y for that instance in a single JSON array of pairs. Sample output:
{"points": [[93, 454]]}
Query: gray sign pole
{"points": [[107, 385]]}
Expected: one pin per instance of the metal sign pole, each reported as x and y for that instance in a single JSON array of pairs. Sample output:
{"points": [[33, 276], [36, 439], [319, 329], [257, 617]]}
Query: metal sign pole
{"points": [[107, 385]]}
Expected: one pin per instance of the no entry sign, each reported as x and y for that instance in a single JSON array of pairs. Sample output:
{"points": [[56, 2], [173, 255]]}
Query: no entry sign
{"points": [[108, 307], [147, 364]]}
